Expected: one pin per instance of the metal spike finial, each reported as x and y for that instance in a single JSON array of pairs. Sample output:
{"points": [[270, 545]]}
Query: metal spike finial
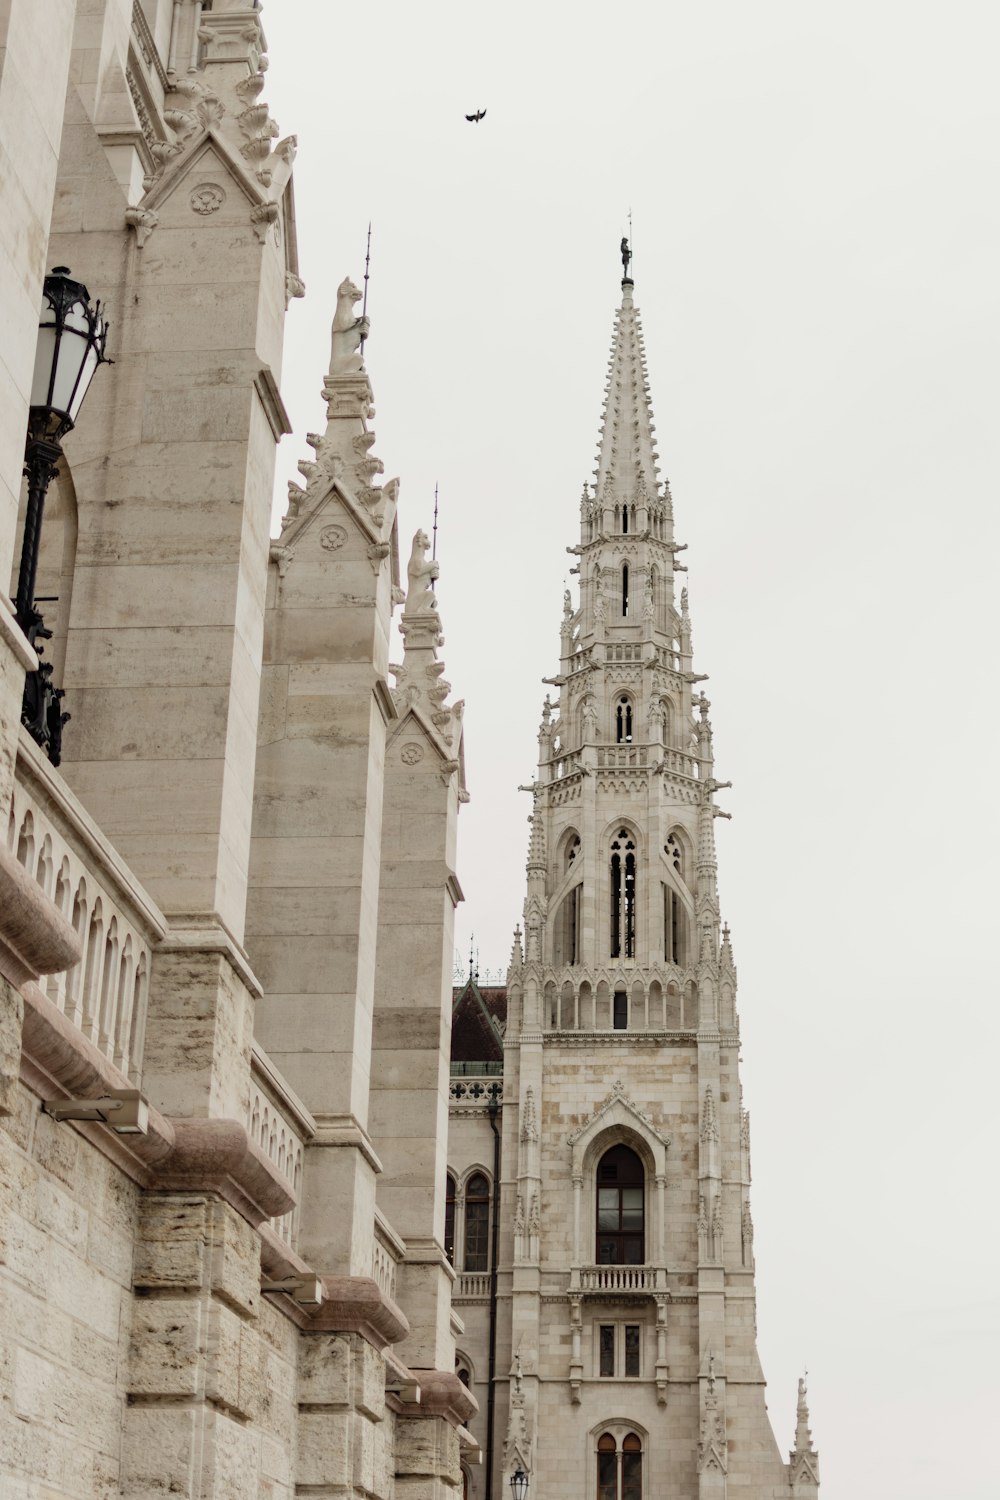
{"points": [[364, 304], [434, 547]]}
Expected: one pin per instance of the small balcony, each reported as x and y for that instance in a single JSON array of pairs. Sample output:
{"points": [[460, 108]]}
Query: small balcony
{"points": [[618, 1283]]}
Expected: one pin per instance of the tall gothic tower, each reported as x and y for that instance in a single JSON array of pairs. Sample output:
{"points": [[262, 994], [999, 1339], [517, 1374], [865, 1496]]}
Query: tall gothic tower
{"points": [[625, 1276]]}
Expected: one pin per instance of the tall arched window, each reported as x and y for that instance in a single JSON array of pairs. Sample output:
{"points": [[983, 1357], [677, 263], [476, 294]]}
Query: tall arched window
{"points": [[623, 720], [623, 895], [620, 1211], [619, 1470], [625, 590], [449, 1217], [568, 928], [477, 1223], [625, 518]]}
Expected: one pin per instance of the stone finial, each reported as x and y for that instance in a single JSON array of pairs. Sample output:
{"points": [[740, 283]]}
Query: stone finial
{"points": [[803, 1468]]}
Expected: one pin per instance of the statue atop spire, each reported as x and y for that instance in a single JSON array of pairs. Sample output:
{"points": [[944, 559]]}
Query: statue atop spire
{"points": [[626, 258]]}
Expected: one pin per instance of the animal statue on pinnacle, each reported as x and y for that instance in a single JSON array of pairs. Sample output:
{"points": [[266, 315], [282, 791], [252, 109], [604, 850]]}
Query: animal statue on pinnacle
{"points": [[420, 575], [347, 333]]}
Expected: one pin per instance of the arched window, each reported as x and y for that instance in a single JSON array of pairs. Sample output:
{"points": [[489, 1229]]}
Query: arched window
{"points": [[620, 1016], [620, 1212], [477, 1223], [568, 928], [623, 895], [572, 850], [623, 720], [675, 853], [674, 928], [449, 1217], [625, 518], [619, 1470], [624, 590]]}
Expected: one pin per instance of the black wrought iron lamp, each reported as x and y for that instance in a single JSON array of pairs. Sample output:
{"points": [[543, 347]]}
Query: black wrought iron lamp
{"points": [[519, 1485], [72, 336]]}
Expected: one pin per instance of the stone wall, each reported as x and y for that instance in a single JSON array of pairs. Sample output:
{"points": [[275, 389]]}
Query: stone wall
{"points": [[67, 1227]]}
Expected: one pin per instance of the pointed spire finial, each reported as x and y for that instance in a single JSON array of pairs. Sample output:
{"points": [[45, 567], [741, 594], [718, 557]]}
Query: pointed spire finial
{"points": [[364, 304]]}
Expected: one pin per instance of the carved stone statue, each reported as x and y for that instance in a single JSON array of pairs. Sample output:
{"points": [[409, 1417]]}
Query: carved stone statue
{"points": [[626, 256], [420, 574], [347, 332]]}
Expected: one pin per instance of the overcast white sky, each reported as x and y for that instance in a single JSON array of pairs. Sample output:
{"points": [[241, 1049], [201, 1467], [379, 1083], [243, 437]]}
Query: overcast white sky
{"points": [[815, 200]]}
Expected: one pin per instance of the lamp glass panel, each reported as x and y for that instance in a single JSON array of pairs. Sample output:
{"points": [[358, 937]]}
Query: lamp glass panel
{"points": [[44, 351], [90, 364], [70, 358]]}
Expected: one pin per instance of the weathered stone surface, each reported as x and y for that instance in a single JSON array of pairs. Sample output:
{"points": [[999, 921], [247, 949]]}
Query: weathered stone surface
{"points": [[11, 1015]]}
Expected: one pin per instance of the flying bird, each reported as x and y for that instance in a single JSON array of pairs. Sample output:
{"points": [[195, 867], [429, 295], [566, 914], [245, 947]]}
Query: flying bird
{"points": [[475, 119]]}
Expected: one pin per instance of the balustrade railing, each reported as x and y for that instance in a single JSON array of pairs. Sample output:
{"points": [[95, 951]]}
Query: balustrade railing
{"points": [[58, 843], [471, 1286], [281, 1125], [387, 1253], [625, 1280]]}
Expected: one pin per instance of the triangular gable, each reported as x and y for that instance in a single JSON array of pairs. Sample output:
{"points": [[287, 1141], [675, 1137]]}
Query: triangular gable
{"points": [[311, 510], [206, 142], [618, 1111]]}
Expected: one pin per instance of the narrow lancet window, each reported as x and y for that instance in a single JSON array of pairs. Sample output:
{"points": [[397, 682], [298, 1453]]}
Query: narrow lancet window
{"points": [[625, 590], [625, 519], [623, 896], [623, 721]]}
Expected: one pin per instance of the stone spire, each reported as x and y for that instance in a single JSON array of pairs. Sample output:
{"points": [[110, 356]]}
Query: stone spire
{"points": [[803, 1467], [627, 457]]}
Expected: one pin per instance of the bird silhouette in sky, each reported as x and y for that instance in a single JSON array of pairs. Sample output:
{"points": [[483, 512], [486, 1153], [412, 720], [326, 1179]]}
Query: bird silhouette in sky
{"points": [[475, 119]]}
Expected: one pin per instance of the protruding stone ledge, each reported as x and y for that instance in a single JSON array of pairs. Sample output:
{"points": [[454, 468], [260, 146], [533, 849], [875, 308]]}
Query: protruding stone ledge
{"points": [[442, 1394], [35, 938], [357, 1304], [213, 1156]]}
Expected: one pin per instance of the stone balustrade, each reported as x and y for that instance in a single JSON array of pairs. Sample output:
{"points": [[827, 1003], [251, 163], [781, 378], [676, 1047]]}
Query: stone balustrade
{"points": [[281, 1125], [471, 1286], [118, 925], [623, 1281], [475, 1092], [387, 1253]]}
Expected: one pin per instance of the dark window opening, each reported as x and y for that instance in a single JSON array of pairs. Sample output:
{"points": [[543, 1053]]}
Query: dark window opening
{"points": [[620, 1210], [632, 1468], [477, 1222], [623, 896], [607, 1468], [449, 1218], [674, 928], [621, 1011], [623, 721], [607, 1364], [625, 590], [632, 1345], [625, 518]]}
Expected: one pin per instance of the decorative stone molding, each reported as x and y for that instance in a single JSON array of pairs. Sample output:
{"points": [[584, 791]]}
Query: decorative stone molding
{"points": [[207, 198], [35, 938], [143, 221], [270, 399]]}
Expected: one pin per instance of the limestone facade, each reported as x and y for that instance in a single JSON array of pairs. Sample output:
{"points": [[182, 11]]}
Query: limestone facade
{"points": [[236, 894], [620, 1284]]}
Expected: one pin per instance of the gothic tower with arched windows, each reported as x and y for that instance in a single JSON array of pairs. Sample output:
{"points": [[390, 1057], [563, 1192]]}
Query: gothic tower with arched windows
{"points": [[625, 1363]]}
